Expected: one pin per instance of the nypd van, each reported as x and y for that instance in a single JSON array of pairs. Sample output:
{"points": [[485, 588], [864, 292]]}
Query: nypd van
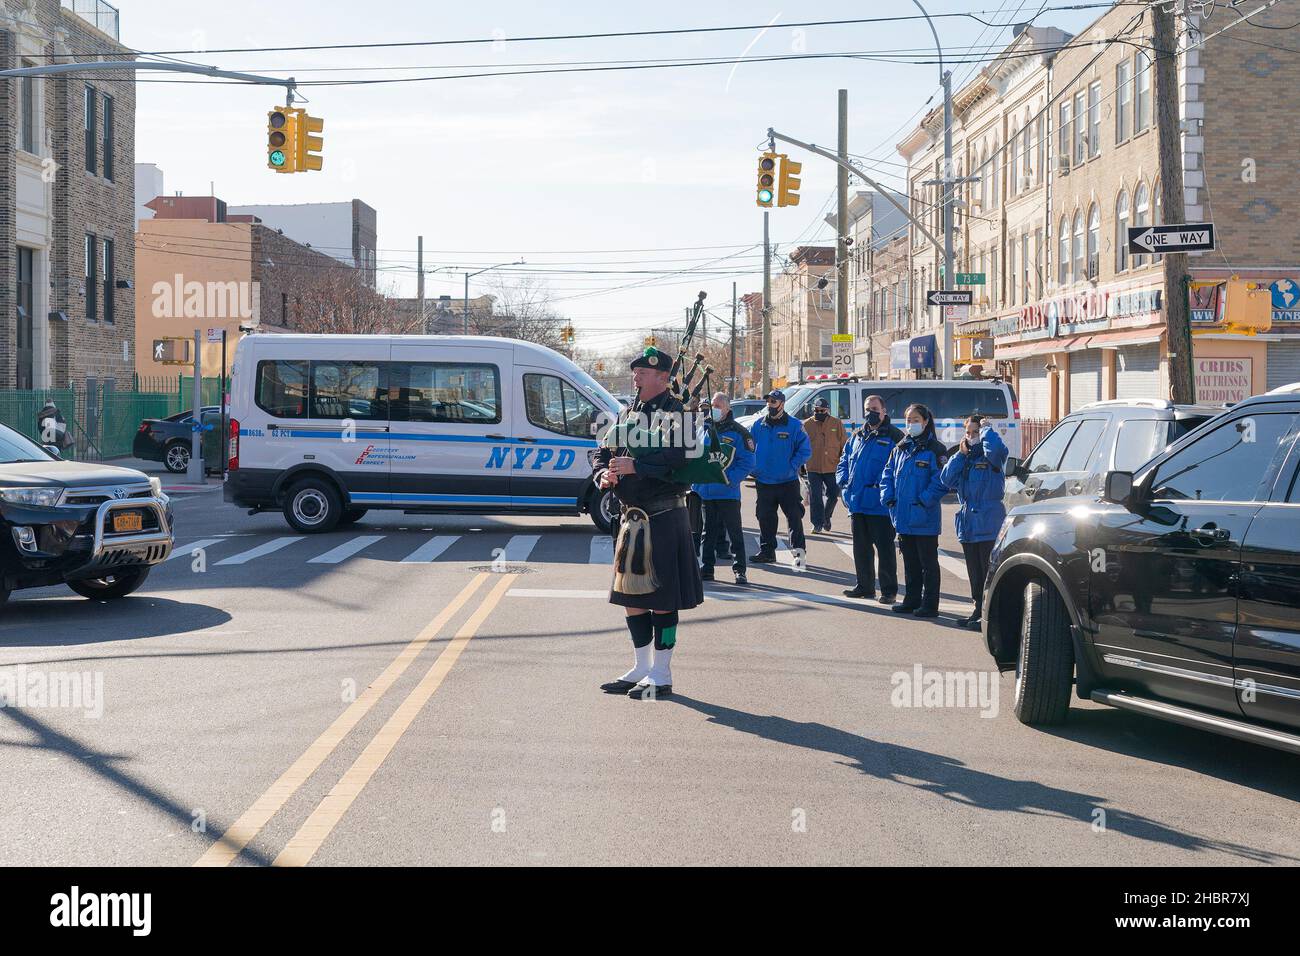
{"points": [[949, 401], [328, 427]]}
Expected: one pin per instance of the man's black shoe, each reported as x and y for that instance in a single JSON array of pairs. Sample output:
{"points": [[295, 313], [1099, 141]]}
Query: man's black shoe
{"points": [[969, 620], [905, 608], [888, 598], [618, 686], [706, 575], [973, 624], [926, 612], [650, 692], [762, 557], [740, 578], [858, 593]]}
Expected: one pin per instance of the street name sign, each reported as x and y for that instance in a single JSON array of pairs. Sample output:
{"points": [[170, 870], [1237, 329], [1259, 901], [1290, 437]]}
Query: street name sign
{"points": [[970, 278], [1183, 237], [939, 297]]}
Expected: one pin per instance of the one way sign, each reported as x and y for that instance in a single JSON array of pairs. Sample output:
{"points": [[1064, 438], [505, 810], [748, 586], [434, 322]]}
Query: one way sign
{"points": [[940, 297], [1185, 237]]}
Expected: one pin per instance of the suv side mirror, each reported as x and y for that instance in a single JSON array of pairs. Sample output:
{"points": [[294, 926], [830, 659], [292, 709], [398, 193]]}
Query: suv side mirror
{"points": [[1119, 488], [1015, 468], [54, 451]]}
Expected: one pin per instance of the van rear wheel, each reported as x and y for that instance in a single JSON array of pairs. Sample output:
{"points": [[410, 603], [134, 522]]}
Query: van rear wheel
{"points": [[313, 506], [353, 515], [602, 508]]}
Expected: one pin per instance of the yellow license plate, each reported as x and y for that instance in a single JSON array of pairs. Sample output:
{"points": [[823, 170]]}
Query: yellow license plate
{"points": [[132, 521]]}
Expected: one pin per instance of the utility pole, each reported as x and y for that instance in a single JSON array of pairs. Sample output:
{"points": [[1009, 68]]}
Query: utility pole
{"points": [[731, 386], [1164, 40], [767, 307], [842, 222], [948, 177], [419, 282]]}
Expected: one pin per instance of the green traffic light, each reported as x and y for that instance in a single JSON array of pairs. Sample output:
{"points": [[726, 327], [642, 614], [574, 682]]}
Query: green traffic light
{"points": [[765, 195], [277, 157]]}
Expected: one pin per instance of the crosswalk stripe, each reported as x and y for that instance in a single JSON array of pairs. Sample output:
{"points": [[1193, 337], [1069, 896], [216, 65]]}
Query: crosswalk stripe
{"points": [[188, 550], [846, 548], [519, 547], [430, 550], [952, 564], [346, 549], [602, 549], [275, 544]]}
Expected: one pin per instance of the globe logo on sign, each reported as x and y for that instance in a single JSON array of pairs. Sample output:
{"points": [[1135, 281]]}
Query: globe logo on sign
{"points": [[1286, 294]]}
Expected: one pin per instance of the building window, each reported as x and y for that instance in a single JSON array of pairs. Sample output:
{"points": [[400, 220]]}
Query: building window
{"points": [[92, 276], [1038, 263], [1041, 146], [1013, 168], [108, 271], [91, 126], [27, 107], [1063, 253], [1141, 217], [993, 276], [1080, 129], [1123, 99], [1026, 147], [1094, 120], [1121, 231], [107, 141], [1094, 242], [1063, 137], [1076, 247], [1024, 268], [996, 160], [1142, 101], [1011, 270], [23, 341]]}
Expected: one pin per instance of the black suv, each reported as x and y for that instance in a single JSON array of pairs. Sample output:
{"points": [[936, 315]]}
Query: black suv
{"points": [[1176, 593], [1116, 435], [96, 528]]}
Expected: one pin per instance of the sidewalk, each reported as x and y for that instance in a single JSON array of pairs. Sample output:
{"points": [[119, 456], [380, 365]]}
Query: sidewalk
{"points": [[172, 484]]}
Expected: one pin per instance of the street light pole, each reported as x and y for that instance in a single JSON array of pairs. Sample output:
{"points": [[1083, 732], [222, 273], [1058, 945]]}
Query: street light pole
{"points": [[470, 275]]}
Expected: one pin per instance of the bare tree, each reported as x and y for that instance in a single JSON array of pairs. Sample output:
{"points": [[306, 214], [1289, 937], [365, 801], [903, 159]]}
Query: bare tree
{"points": [[521, 310], [338, 301]]}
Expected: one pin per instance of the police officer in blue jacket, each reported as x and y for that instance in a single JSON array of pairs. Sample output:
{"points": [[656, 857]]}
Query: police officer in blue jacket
{"points": [[781, 447], [858, 476], [722, 502], [976, 474], [911, 487]]}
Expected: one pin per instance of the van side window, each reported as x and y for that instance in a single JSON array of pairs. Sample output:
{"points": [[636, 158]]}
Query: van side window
{"points": [[450, 392], [555, 405], [349, 390], [281, 388]]}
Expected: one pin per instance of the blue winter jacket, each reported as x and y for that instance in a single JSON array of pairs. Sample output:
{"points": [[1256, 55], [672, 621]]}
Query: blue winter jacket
{"points": [[861, 464], [732, 433], [911, 486], [780, 449], [979, 481]]}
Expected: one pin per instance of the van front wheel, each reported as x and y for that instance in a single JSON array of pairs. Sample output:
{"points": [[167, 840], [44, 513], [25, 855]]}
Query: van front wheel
{"points": [[313, 506]]}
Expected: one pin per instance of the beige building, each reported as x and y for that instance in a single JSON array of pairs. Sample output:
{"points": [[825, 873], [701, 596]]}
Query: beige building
{"points": [[874, 222], [802, 316], [889, 312]]}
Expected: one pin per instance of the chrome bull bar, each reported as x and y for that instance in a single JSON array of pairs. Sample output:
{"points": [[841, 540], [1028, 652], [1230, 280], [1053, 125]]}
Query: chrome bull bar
{"points": [[147, 547]]}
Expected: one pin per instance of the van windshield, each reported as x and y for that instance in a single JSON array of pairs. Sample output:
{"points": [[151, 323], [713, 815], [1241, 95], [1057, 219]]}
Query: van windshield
{"points": [[597, 391], [947, 403]]}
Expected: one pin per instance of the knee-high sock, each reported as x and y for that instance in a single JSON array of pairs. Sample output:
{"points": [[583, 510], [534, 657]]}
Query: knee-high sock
{"points": [[641, 668], [641, 628], [665, 631]]}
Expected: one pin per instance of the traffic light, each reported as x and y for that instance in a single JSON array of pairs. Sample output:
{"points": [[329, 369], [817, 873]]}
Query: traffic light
{"points": [[787, 193], [567, 335], [281, 137], [307, 143], [650, 340], [766, 179]]}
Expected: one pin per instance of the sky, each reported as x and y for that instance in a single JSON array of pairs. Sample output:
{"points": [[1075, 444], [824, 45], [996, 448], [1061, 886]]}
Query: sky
{"points": [[627, 191]]}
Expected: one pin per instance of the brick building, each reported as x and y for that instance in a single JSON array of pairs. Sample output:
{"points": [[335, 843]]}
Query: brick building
{"points": [[67, 213], [751, 349]]}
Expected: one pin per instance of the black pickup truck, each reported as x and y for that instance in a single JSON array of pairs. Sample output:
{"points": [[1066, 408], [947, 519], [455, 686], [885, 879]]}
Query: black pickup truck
{"points": [[97, 528]]}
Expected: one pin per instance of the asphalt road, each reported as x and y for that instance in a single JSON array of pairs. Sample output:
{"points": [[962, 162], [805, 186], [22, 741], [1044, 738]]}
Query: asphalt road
{"points": [[386, 695]]}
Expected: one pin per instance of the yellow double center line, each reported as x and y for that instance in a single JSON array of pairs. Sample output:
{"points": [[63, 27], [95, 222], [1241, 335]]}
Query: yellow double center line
{"points": [[326, 816]]}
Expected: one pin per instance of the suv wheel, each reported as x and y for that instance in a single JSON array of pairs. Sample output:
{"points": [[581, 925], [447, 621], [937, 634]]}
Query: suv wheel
{"points": [[111, 586], [312, 506], [1045, 668], [176, 458]]}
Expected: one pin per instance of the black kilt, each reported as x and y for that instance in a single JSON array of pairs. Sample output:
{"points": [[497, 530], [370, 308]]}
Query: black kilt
{"points": [[675, 564]]}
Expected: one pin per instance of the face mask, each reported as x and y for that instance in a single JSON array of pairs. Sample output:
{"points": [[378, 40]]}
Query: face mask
{"points": [[716, 413], [819, 415], [873, 419], [914, 429], [773, 412]]}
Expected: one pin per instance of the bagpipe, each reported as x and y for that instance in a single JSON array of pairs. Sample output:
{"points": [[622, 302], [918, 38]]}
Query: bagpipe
{"points": [[638, 436]]}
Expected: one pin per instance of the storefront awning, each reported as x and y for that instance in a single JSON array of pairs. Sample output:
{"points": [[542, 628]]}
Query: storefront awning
{"points": [[1077, 343]]}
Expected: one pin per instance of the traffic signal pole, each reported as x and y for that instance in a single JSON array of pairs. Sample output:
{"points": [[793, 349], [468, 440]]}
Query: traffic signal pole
{"points": [[767, 306]]}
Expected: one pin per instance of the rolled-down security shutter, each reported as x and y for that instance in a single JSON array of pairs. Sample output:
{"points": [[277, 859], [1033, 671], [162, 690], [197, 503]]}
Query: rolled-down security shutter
{"points": [[1035, 393], [1284, 362], [1085, 378], [1137, 371]]}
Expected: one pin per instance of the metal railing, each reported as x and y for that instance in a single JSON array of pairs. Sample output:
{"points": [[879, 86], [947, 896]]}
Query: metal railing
{"points": [[1033, 430], [102, 16]]}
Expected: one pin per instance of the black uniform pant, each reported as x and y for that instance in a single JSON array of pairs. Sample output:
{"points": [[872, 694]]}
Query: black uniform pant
{"points": [[788, 498], [722, 520], [822, 488], [873, 541], [921, 570], [977, 569]]}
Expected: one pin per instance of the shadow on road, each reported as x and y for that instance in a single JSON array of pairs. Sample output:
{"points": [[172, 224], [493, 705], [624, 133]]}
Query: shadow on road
{"points": [[106, 766], [950, 779], [67, 622]]}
